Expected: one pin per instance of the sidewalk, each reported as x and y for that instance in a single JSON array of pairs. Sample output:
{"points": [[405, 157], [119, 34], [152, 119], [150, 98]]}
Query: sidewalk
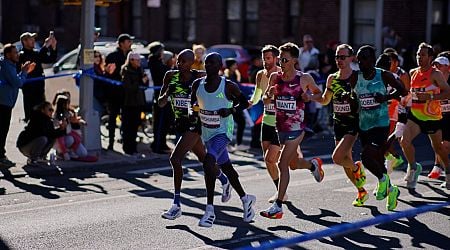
{"points": [[107, 159]]}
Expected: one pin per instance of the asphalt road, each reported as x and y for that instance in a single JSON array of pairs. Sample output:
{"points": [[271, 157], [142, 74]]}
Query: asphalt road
{"points": [[120, 209]]}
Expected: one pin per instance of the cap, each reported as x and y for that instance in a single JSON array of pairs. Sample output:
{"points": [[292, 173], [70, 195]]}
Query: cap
{"points": [[123, 37], [27, 35], [133, 55], [442, 60], [155, 48]]}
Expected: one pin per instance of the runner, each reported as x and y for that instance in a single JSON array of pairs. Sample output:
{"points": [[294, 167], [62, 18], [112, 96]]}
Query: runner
{"points": [[289, 87], [370, 87], [177, 86], [345, 119], [397, 113], [212, 99], [269, 137], [428, 87], [442, 64]]}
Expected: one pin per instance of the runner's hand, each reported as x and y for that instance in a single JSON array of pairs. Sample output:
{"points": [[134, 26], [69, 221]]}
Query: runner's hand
{"points": [[224, 112], [380, 98]]}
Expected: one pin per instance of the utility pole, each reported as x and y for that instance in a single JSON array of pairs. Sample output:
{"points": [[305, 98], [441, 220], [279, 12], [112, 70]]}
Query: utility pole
{"points": [[91, 132]]}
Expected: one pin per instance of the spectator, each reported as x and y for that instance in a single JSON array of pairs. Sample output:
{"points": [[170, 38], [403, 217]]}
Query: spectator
{"points": [[100, 87], [114, 92], [69, 145], [308, 58], [232, 73], [10, 82], [162, 117], [169, 59], [133, 78], [34, 92], [38, 137], [199, 54], [256, 66]]}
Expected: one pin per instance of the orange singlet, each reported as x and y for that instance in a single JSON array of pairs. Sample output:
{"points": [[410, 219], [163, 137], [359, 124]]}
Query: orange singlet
{"points": [[424, 110]]}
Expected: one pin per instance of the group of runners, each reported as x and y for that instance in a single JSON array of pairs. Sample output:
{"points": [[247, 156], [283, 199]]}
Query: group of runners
{"points": [[203, 104]]}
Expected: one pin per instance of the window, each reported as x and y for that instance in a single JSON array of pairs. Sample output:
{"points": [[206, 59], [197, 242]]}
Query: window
{"points": [[182, 20], [363, 22], [242, 21], [292, 17]]}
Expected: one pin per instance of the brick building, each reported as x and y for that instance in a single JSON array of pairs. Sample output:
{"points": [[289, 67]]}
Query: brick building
{"points": [[179, 23]]}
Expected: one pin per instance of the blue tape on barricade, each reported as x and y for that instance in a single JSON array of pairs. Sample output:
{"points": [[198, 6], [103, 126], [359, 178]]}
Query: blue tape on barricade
{"points": [[34, 79], [348, 227], [114, 82]]}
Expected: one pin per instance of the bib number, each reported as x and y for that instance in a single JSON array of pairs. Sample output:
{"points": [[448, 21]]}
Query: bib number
{"points": [[209, 119], [341, 108], [368, 102], [181, 103]]}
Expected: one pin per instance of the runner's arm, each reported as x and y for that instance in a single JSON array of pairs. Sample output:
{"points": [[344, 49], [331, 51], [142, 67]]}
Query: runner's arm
{"points": [[162, 100], [328, 93], [312, 86], [270, 90], [258, 91]]}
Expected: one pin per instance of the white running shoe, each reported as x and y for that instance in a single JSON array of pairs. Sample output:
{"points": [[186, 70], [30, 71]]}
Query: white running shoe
{"points": [[247, 202], [173, 213], [275, 197], [208, 218], [318, 171], [226, 192], [412, 176]]}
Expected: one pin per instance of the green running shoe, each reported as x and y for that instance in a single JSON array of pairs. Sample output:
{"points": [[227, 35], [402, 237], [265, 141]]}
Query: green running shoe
{"points": [[391, 202], [381, 190], [362, 197]]}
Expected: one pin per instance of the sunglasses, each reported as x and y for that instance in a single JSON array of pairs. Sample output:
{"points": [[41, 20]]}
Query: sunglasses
{"points": [[284, 60], [340, 57]]}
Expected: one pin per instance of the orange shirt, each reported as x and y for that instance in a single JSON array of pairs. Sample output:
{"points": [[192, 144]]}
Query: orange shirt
{"points": [[421, 83]]}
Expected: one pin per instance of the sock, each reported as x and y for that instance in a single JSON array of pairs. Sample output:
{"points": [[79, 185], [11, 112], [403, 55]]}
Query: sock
{"points": [[313, 167], [222, 178], [276, 182], [279, 202], [209, 207], [176, 198], [413, 166]]}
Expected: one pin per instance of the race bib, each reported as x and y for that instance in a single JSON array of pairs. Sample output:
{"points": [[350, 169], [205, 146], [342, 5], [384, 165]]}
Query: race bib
{"points": [[270, 108], [368, 102], [286, 105], [181, 103], [341, 108], [209, 119], [445, 106]]}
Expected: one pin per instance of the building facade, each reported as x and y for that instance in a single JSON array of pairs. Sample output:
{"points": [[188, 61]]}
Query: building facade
{"points": [[180, 23]]}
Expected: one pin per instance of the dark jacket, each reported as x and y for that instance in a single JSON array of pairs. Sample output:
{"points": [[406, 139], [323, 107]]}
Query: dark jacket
{"points": [[114, 93], [132, 81], [157, 69], [39, 125], [44, 55]]}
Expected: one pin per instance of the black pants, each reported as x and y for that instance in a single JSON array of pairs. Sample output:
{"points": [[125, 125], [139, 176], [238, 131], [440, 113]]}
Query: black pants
{"points": [[5, 120], [131, 117], [239, 119], [32, 95], [114, 111], [163, 118]]}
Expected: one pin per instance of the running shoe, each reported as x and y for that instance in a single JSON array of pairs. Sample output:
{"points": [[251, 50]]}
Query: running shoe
{"points": [[391, 202], [412, 176], [397, 162], [435, 173], [247, 202], [208, 218], [273, 212], [360, 175], [380, 191], [362, 197], [275, 197], [318, 171], [173, 213], [226, 192], [392, 162]]}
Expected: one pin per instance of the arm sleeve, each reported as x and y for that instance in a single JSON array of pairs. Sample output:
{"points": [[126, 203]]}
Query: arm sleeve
{"points": [[256, 95]]}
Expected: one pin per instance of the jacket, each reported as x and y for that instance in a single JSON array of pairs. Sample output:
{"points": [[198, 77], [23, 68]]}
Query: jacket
{"points": [[10, 82], [44, 55], [39, 125], [134, 95]]}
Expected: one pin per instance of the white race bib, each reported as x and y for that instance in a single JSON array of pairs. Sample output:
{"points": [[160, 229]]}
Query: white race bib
{"points": [[209, 119], [445, 106], [182, 103], [270, 108], [341, 108], [287, 105], [368, 102]]}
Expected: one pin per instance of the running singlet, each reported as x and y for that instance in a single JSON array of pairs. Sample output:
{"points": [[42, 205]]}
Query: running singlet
{"points": [[424, 110], [288, 104], [372, 114], [445, 104], [180, 96], [345, 105], [209, 103]]}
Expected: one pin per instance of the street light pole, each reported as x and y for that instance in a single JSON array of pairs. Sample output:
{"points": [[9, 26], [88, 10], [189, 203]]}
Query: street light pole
{"points": [[91, 132]]}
